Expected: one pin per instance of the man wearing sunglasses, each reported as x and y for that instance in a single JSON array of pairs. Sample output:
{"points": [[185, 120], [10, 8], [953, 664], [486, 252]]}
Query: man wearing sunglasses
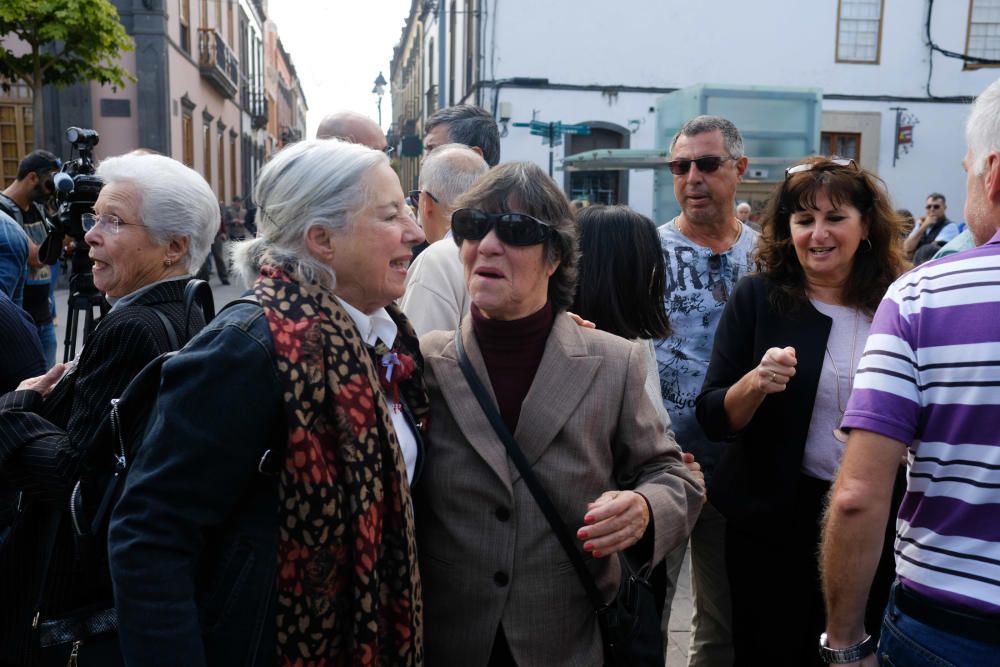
{"points": [[355, 128], [436, 296], [934, 230], [706, 249]]}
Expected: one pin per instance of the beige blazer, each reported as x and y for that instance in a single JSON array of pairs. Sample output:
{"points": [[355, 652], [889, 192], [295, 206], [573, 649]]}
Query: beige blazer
{"points": [[487, 554]]}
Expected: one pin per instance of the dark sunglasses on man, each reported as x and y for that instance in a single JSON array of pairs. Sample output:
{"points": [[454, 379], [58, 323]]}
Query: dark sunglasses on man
{"points": [[516, 229], [706, 164]]}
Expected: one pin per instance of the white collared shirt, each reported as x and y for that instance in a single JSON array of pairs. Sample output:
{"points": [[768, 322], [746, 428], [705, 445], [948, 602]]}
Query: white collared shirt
{"points": [[373, 328]]}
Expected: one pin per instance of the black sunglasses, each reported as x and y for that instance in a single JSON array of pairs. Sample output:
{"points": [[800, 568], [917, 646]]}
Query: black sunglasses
{"points": [[518, 229], [413, 197], [706, 164]]}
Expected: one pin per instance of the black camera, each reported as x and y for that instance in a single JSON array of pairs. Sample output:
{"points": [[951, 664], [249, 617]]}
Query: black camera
{"points": [[76, 189]]}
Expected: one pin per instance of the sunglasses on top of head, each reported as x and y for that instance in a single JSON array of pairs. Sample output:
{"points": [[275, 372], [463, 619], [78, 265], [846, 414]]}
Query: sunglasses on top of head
{"points": [[516, 229], [706, 164], [831, 162]]}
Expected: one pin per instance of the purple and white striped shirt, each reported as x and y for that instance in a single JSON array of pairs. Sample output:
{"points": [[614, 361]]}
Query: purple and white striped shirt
{"points": [[930, 378]]}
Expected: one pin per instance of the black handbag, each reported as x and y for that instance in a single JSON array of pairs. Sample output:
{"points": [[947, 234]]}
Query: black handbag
{"points": [[630, 623]]}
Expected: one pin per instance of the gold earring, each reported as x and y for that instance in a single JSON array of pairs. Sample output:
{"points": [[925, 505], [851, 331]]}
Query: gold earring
{"points": [[168, 262]]}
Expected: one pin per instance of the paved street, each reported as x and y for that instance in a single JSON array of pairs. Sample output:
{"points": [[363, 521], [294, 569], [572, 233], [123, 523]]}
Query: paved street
{"points": [[680, 618]]}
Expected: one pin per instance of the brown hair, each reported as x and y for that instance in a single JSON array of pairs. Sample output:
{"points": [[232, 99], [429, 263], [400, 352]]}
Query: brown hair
{"points": [[873, 269], [525, 188]]}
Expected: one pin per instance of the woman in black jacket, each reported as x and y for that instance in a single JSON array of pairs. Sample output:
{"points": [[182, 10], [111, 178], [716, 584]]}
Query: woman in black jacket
{"points": [[781, 371], [152, 226]]}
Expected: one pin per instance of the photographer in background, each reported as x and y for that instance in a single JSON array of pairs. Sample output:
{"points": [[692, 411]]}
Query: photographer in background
{"points": [[24, 201]]}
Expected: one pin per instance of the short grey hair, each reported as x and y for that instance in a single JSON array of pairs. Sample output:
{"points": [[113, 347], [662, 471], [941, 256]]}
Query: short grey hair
{"points": [[702, 124], [174, 201], [314, 183], [982, 131], [449, 171]]}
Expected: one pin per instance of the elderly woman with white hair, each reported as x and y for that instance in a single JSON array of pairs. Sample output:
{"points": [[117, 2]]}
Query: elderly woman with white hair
{"points": [[282, 532], [151, 227]]}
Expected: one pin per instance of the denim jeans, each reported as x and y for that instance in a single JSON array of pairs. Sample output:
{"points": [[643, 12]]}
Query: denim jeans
{"points": [[906, 642]]}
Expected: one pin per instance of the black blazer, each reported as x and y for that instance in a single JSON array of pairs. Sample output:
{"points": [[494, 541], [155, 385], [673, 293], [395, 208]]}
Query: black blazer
{"points": [[42, 442], [757, 475]]}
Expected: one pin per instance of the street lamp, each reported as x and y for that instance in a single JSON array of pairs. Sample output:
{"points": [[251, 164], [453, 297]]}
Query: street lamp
{"points": [[379, 90]]}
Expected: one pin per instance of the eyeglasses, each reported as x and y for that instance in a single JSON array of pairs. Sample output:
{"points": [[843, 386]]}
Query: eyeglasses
{"points": [[413, 198], [706, 164], [112, 222], [809, 166], [930, 207], [388, 150], [517, 229]]}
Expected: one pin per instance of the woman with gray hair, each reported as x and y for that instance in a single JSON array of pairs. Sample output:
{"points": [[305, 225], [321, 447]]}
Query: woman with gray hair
{"points": [[499, 589], [283, 531], [151, 226]]}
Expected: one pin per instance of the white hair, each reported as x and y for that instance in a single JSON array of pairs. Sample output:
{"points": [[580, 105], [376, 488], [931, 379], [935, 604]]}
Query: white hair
{"points": [[319, 182], [449, 171], [175, 202], [982, 131]]}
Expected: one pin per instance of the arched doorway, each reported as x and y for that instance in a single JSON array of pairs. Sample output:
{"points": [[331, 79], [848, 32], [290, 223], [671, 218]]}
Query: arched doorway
{"points": [[598, 187]]}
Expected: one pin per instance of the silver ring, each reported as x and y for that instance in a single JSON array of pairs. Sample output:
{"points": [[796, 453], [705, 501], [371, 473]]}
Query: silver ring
{"points": [[772, 376]]}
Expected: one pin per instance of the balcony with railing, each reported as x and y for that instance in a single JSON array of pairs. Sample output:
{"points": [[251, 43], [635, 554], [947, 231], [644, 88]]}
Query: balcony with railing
{"points": [[217, 62]]}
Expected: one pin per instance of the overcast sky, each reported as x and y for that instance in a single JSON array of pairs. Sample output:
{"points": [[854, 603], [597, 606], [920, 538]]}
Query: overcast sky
{"points": [[338, 48]]}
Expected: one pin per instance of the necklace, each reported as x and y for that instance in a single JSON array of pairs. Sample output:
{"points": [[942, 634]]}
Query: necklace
{"points": [[837, 432]]}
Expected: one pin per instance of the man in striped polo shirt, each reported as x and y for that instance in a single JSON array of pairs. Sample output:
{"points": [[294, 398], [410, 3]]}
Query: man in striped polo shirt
{"points": [[928, 387]]}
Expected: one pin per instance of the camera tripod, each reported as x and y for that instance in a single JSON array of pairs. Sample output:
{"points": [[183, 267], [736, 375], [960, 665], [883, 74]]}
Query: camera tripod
{"points": [[83, 298]]}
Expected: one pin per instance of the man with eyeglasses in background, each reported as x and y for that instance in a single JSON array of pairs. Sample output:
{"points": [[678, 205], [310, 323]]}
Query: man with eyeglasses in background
{"points": [[355, 128], [436, 296], [934, 230], [706, 249]]}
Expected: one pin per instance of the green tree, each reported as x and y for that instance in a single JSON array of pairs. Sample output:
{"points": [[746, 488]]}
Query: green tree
{"points": [[66, 42]]}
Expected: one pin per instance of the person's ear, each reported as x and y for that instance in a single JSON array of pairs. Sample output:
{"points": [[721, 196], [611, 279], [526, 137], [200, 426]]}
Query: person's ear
{"points": [[176, 249], [425, 206], [741, 166], [477, 150], [991, 173], [320, 243]]}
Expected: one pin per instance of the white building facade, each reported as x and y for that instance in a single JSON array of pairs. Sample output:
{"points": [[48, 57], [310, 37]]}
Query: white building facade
{"points": [[607, 65]]}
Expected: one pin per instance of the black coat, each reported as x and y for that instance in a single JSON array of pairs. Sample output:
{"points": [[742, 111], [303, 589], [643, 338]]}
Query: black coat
{"points": [[42, 442], [757, 475]]}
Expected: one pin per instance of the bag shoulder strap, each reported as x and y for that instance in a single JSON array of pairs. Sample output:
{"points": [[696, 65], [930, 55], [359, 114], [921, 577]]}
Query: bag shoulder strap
{"points": [[197, 292], [168, 326], [559, 527]]}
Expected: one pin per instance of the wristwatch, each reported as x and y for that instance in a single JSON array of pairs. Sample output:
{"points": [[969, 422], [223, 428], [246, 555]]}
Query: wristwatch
{"points": [[840, 656]]}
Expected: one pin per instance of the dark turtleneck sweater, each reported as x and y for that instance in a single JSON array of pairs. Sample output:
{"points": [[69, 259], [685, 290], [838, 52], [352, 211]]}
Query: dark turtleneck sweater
{"points": [[512, 350]]}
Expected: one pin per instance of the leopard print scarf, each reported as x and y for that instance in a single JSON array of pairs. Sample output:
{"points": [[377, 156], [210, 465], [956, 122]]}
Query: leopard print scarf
{"points": [[348, 585]]}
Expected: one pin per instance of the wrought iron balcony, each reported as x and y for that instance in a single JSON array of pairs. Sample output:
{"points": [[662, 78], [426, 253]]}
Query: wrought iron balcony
{"points": [[217, 62]]}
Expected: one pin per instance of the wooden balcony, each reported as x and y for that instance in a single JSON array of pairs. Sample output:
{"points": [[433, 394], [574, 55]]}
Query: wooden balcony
{"points": [[217, 62]]}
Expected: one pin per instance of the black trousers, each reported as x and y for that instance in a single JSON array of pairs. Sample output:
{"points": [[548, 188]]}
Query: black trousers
{"points": [[773, 567]]}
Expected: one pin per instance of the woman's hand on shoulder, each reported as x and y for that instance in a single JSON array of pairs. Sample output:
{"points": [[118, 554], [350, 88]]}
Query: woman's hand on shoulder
{"points": [[43, 384], [775, 370], [614, 521]]}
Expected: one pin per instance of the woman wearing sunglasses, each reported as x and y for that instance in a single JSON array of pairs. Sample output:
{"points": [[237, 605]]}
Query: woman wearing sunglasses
{"points": [[781, 371], [498, 587]]}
